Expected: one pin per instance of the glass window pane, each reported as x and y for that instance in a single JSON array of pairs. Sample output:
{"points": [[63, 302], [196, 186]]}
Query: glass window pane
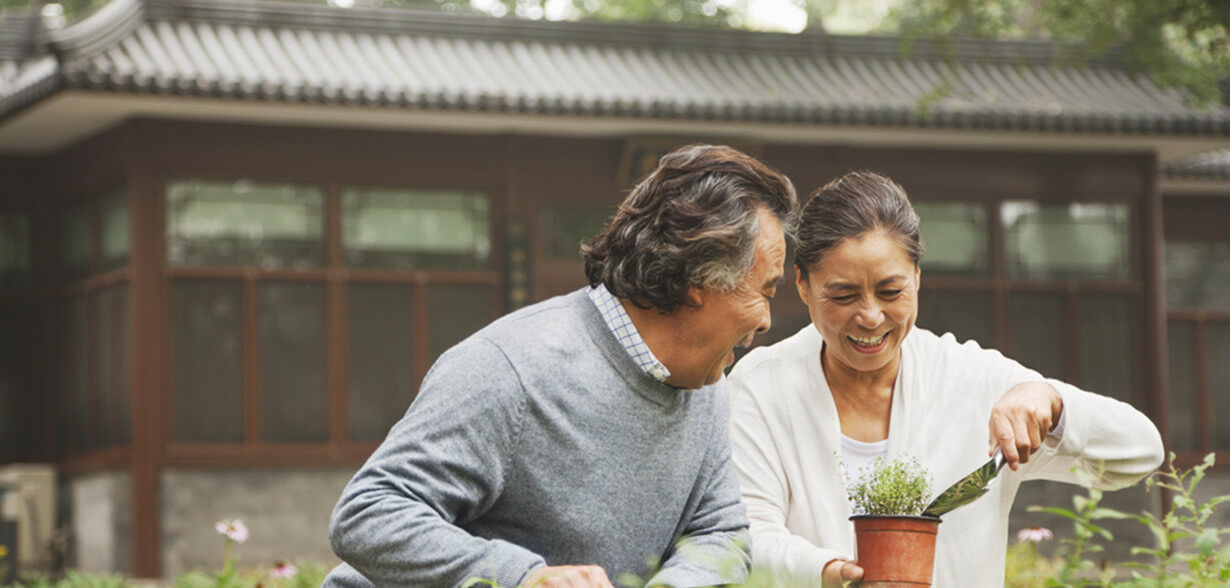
{"points": [[294, 397], [1197, 274], [564, 229], [76, 242], [382, 380], [1067, 241], [1183, 410], [245, 223], [18, 394], [207, 321], [14, 252], [104, 369], [456, 312], [1217, 338], [115, 230], [1039, 340], [956, 237], [122, 434], [384, 228], [967, 315], [1108, 360], [78, 374]]}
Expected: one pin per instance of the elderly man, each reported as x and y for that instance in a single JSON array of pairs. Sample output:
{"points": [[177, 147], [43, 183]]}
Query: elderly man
{"points": [[584, 437]]}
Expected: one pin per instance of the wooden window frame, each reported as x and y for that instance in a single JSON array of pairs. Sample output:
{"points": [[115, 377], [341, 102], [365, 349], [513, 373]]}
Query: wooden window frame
{"points": [[96, 282], [335, 277], [1001, 287]]}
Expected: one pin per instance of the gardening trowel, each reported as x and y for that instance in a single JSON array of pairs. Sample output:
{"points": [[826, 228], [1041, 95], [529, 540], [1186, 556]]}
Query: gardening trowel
{"points": [[967, 489]]}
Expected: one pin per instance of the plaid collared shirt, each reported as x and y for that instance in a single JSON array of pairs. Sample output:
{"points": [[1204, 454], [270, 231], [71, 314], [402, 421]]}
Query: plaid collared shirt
{"points": [[620, 324]]}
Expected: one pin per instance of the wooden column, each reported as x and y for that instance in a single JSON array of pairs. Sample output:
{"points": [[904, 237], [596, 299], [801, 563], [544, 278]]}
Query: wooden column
{"points": [[147, 301], [1154, 300]]}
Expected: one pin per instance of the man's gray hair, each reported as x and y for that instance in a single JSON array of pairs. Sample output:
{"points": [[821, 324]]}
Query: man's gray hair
{"points": [[690, 223]]}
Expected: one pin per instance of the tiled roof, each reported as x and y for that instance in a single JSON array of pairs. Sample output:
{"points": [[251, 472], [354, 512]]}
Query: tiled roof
{"points": [[297, 53], [1213, 165]]}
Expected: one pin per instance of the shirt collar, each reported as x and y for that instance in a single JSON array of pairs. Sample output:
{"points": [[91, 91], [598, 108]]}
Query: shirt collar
{"points": [[620, 324]]}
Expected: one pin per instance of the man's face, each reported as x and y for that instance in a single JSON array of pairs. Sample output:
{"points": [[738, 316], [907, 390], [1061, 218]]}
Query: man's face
{"points": [[728, 319]]}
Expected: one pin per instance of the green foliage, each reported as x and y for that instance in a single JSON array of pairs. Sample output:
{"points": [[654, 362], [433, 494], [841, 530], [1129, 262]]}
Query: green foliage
{"points": [[72, 8], [1025, 568], [1185, 551], [1180, 43], [74, 579], [311, 575], [898, 486]]}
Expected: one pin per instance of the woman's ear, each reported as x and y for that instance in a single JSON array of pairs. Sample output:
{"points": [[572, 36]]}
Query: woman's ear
{"points": [[800, 283]]}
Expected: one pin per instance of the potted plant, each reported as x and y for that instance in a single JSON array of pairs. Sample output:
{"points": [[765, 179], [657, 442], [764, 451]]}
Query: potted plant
{"points": [[896, 542]]}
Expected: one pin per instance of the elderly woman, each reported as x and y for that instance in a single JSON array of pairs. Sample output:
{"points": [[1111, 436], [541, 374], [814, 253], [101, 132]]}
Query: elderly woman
{"points": [[861, 381]]}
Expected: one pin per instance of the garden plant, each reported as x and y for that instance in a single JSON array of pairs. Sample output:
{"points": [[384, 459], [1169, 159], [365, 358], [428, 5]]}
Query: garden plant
{"points": [[1186, 551]]}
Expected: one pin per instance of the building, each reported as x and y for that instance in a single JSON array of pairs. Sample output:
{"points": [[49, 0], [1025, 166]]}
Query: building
{"points": [[234, 235]]}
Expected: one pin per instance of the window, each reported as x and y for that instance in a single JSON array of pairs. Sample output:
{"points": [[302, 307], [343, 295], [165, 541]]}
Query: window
{"points": [[245, 224], [256, 296], [14, 252], [1197, 276], [114, 228], [415, 229], [1063, 275], [564, 229], [93, 332], [956, 237], [17, 382], [382, 379], [1070, 241]]}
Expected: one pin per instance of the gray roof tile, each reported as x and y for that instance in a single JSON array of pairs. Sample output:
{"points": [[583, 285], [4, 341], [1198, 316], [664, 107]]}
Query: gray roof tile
{"points": [[1212, 165], [415, 60]]}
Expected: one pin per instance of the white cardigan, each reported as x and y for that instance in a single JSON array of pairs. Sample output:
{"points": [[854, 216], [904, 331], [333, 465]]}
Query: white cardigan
{"points": [[786, 440]]}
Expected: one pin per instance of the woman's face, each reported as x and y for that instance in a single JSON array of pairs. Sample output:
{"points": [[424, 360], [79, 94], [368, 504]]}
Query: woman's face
{"points": [[863, 298]]}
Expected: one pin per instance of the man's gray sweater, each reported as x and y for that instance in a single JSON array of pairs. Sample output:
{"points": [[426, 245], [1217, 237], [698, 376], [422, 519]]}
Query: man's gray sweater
{"points": [[536, 441]]}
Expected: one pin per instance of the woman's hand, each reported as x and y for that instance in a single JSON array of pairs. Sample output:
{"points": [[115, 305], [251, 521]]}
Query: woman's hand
{"points": [[1022, 419], [839, 571]]}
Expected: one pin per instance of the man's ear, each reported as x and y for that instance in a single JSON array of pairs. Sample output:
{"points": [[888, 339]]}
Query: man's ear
{"points": [[695, 297]]}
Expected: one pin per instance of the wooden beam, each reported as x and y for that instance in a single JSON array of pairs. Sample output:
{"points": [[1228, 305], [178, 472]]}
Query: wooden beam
{"points": [[1156, 347], [146, 294]]}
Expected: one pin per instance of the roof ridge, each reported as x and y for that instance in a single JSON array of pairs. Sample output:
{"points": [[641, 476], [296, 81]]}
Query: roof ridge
{"points": [[117, 19], [102, 29]]}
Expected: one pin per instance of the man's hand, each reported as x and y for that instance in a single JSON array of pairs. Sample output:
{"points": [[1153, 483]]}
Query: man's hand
{"points": [[1022, 419], [568, 577], [839, 571]]}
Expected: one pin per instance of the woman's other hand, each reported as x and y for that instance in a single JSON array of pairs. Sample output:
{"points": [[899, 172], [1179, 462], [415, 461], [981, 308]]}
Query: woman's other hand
{"points": [[839, 571], [1022, 419]]}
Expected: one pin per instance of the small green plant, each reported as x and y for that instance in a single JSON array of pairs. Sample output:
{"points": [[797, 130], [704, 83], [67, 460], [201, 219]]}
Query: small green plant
{"points": [[897, 486], [1185, 550]]}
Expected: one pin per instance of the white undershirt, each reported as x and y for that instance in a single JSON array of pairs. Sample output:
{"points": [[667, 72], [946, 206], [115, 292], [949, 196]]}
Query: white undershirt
{"points": [[857, 454]]}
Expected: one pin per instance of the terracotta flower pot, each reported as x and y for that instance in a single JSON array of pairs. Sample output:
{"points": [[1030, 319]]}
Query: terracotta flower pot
{"points": [[895, 551]]}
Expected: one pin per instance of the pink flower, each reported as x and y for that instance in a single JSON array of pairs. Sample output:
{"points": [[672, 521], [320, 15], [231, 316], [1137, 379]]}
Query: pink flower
{"points": [[1034, 535], [234, 529], [283, 571]]}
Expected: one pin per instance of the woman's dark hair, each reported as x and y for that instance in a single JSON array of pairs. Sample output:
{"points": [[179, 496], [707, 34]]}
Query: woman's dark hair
{"points": [[690, 223], [850, 206]]}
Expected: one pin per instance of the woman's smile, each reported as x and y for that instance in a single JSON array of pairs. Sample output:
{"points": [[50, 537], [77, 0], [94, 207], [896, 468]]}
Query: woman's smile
{"points": [[869, 345]]}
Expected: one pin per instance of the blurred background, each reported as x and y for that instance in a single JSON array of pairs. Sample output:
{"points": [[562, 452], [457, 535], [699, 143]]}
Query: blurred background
{"points": [[234, 235]]}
